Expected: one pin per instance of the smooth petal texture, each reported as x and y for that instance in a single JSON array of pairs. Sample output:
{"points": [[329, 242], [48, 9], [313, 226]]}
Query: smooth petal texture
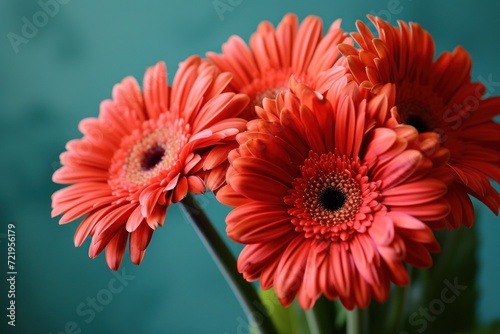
{"points": [[228, 196], [262, 68], [259, 188], [415, 192], [430, 93], [146, 150], [257, 222], [397, 170], [156, 90], [290, 271], [255, 258], [116, 249], [303, 151]]}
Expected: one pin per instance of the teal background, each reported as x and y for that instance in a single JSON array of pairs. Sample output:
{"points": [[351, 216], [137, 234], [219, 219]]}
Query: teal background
{"points": [[61, 76]]}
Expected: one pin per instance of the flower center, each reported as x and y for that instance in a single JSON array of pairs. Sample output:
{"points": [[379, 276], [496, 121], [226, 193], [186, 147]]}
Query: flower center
{"points": [[271, 93], [156, 151], [419, 106], [152, 157], [415, 114], [331, 198], [148, 152], [268, 85]]}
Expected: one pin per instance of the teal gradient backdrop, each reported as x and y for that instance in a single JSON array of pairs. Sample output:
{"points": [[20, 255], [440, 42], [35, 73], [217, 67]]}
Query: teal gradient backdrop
{"points": [[62, 74]]}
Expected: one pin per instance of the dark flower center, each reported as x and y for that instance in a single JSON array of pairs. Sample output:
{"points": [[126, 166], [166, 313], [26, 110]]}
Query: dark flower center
{"points": [[152, 157], [148, 152], [415, 114], [329, 191], [332, 199], [418, 123]]}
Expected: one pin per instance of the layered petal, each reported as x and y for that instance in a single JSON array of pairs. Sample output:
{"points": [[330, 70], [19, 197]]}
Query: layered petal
{"points": [[262, 69], [336, 213], [434, 93], [146, 150]]}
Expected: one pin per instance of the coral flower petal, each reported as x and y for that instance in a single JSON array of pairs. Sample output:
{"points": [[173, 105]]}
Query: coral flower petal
{"points": [[145, 151], [337, 212], [434, 94], [262, 69]]}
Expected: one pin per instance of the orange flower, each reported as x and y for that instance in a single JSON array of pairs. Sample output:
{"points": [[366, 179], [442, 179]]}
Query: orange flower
{"points": [[326, 202], [145, 151], [274, 55], [436, 96]]}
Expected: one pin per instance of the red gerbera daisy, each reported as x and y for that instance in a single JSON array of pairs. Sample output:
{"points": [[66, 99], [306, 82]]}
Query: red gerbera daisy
{"points": [[436, 96], [274, 55], [144, 152], [326, 202]]}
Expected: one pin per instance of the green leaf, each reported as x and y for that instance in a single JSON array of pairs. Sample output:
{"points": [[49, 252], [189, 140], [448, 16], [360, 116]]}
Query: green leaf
{"points": [[441, 299], [447, 290], [325, 317], [289, 320]]}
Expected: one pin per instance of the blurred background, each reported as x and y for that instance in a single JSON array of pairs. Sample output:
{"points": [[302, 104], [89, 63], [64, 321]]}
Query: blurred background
{"points": [[60, 74]]}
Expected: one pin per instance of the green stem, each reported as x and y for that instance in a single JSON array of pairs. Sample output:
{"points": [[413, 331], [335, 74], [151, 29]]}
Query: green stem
{"points": [[357, 321], [319, 318], [396, 309], [226, 262]]}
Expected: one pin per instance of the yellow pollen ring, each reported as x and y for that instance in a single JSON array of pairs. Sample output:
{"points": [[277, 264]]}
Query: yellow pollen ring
{"points": [[340, 182], [165, 138]]}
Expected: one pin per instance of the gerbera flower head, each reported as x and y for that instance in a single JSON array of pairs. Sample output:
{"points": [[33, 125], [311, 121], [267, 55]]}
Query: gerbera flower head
{"points": [[438, 96], [145, 151], [328, 203], [262, 69]]}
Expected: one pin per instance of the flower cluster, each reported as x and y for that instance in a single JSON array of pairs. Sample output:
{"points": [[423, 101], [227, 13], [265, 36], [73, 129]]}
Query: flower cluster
{"points": [[340, 153]]}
